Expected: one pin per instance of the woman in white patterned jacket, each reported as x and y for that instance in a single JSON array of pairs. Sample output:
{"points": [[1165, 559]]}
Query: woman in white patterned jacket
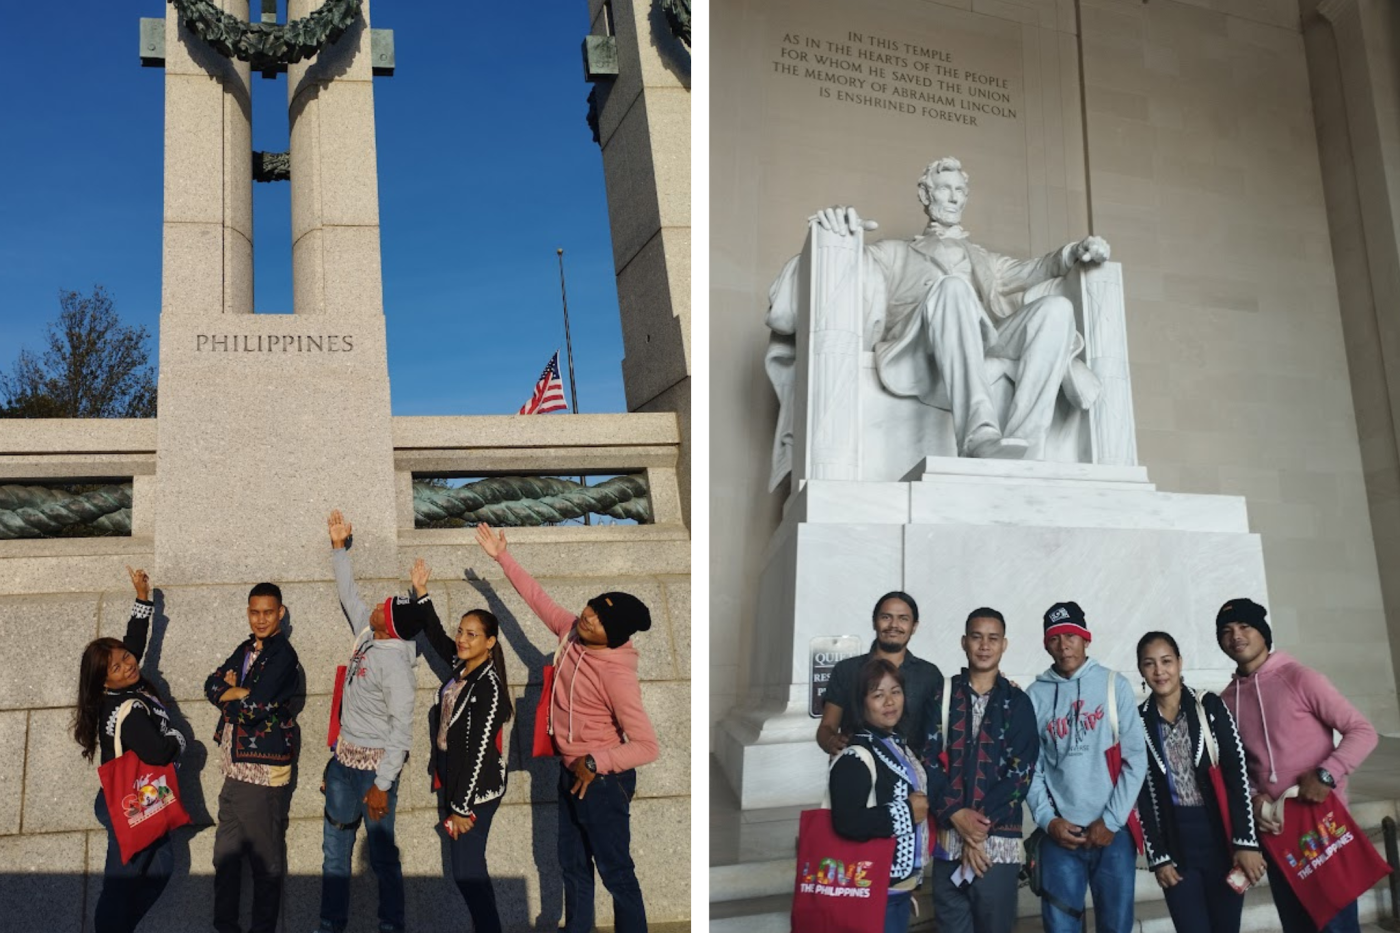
{"points": [[466, 729]]}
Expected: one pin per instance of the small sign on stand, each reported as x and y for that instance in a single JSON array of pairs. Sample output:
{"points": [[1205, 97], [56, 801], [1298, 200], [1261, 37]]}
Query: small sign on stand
{"points": [[827, 650]]}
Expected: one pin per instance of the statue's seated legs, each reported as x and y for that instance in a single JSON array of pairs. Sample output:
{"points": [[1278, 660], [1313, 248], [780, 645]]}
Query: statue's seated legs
{"points": [[1040, 339], [1033, 347]]}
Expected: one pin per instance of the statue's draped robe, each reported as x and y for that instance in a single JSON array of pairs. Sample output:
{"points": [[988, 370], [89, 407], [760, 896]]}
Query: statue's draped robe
{"points": [[899, 278]]}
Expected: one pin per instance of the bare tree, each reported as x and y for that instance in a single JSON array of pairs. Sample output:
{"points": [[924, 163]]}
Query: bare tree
{"points": [[94, 367]]}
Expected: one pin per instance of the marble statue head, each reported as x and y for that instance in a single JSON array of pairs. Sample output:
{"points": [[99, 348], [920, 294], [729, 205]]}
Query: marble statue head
{"points": [[943, 190]]}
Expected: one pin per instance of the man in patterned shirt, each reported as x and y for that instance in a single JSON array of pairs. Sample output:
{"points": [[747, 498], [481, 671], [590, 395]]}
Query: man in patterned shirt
{"points": [[257, 738], [979, 766]]}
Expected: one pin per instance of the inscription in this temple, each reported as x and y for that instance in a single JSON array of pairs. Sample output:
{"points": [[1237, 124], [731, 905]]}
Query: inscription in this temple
{"points": [[274, 343], [884, 73]]}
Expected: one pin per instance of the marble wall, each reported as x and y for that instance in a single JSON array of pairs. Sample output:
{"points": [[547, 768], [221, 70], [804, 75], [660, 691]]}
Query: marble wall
{"points": [[1189, 145]]}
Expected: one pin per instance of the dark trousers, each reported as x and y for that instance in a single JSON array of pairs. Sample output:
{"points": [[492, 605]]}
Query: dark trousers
{"points": [[596, 830], [345, 811], [130, 890], [252, 824], [1294, 917], [897, 912], [987, 905], [469, 869], [1202, 901]]}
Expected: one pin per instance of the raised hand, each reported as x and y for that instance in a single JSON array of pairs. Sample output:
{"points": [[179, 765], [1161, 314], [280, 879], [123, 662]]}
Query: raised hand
{"points": [[339, 528], [493, 544], [141, 582], [419, 576]]}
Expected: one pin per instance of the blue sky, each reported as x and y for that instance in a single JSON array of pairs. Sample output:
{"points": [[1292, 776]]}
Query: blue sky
{"points": [[486, 166]]}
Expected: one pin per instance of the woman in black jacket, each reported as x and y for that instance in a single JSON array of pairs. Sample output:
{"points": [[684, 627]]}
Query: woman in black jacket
{"points": [[119, 708], [1186, 841], [876, 757], [465, 725]]}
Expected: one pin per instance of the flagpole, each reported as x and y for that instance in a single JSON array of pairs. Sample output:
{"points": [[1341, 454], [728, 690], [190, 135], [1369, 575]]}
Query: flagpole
{"points": [[568, 343], [569, 347]]}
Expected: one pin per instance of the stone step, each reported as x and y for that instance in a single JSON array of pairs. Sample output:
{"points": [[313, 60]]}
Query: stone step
{"points": [[772, 914], [756, 897]]}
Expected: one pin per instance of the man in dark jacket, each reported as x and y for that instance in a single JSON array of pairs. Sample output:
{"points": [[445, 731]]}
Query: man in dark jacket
{"points": [[975, 791], [257, 739], [895, 619]]}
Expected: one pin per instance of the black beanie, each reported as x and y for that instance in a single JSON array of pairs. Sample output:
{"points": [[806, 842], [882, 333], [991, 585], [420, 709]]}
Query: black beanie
{"points": [[1066, 618], [1245, 612], [622, 614]]}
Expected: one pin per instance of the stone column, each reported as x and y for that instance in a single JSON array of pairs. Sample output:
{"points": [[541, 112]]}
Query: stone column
{"points": [[267, 421], [644, 130], [207, 255], [1353, 47]]}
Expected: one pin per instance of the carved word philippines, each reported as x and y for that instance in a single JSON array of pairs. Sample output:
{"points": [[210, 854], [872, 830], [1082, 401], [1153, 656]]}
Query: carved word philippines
{"points": [[274, 343], [890, 74]]}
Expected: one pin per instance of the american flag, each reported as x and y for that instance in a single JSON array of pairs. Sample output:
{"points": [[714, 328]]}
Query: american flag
{"points": [[549, 391]]}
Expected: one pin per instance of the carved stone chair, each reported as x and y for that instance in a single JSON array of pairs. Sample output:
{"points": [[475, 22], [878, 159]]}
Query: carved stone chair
{"points": [[843, 424]]}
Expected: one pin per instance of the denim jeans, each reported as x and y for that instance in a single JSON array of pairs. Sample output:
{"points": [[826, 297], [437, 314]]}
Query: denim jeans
{"points": [[130, 890], [1107, 873], [345, 794], [596, 830], [469, 869], [897, 912], [1294, 917], [1202, 901]]}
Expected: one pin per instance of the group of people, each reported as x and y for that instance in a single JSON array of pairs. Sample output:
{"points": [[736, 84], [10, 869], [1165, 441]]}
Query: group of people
{"points": [[965, 755], [600, 732]]}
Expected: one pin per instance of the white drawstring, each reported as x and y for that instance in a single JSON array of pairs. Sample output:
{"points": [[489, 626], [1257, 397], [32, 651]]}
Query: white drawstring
{"points": [[1259, 694]]}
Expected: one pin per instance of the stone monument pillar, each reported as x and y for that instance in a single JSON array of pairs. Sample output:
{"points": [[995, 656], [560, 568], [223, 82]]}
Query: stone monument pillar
{"points": [[289, 411], [643, 127]]}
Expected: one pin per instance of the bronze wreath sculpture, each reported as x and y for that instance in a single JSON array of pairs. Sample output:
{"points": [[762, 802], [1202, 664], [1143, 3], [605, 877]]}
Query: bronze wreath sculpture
{"points": [[267, 45]]}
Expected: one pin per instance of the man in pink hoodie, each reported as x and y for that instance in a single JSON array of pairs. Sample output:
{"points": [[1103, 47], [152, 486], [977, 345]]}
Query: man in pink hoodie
{"points": [[602, 734], [1286, 715]]}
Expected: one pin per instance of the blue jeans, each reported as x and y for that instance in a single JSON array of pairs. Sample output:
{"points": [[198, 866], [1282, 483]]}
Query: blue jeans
{"points": [[469, 869], [345, 795], [897, 912], [596, 830], [130, 890], [1294, 917], [1107, 873]]}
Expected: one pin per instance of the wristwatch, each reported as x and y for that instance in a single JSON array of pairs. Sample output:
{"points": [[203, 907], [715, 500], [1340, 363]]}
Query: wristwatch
{"points": [[592, 765], [1326, 777]]}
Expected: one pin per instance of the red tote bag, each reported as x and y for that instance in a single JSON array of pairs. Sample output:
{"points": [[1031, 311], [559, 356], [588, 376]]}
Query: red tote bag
{"points": [[142, 800], [1114, 756], [1324, 854], [543, 744], [1217, 777], [841, 885]]}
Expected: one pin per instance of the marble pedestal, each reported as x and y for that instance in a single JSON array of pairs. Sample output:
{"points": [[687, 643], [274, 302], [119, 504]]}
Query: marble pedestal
{"points": [[958, 534]]}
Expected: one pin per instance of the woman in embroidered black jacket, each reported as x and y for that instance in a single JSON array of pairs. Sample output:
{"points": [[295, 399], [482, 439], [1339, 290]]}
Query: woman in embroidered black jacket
{"points": [[1185, 837], [117, 705], [468, 758], [900, 787]]}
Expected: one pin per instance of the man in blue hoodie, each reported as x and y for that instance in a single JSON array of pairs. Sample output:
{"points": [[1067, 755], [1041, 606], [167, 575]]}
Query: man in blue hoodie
{"points": [[1074, 797], [369, 751]]}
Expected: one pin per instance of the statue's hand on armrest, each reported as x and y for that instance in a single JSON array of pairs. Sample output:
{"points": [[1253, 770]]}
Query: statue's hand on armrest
{"points": [[843, 221], [1091, 250]]}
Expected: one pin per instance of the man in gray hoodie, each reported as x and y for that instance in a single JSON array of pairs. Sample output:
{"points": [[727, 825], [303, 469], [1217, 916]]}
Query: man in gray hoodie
{"points": [[1074, 797], [375, 731]]}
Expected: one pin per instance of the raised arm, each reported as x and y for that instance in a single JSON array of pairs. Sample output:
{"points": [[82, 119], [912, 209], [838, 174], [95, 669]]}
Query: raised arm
{"points": [[139, 624], [559, 619], [424, 617], [355, 609]]}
